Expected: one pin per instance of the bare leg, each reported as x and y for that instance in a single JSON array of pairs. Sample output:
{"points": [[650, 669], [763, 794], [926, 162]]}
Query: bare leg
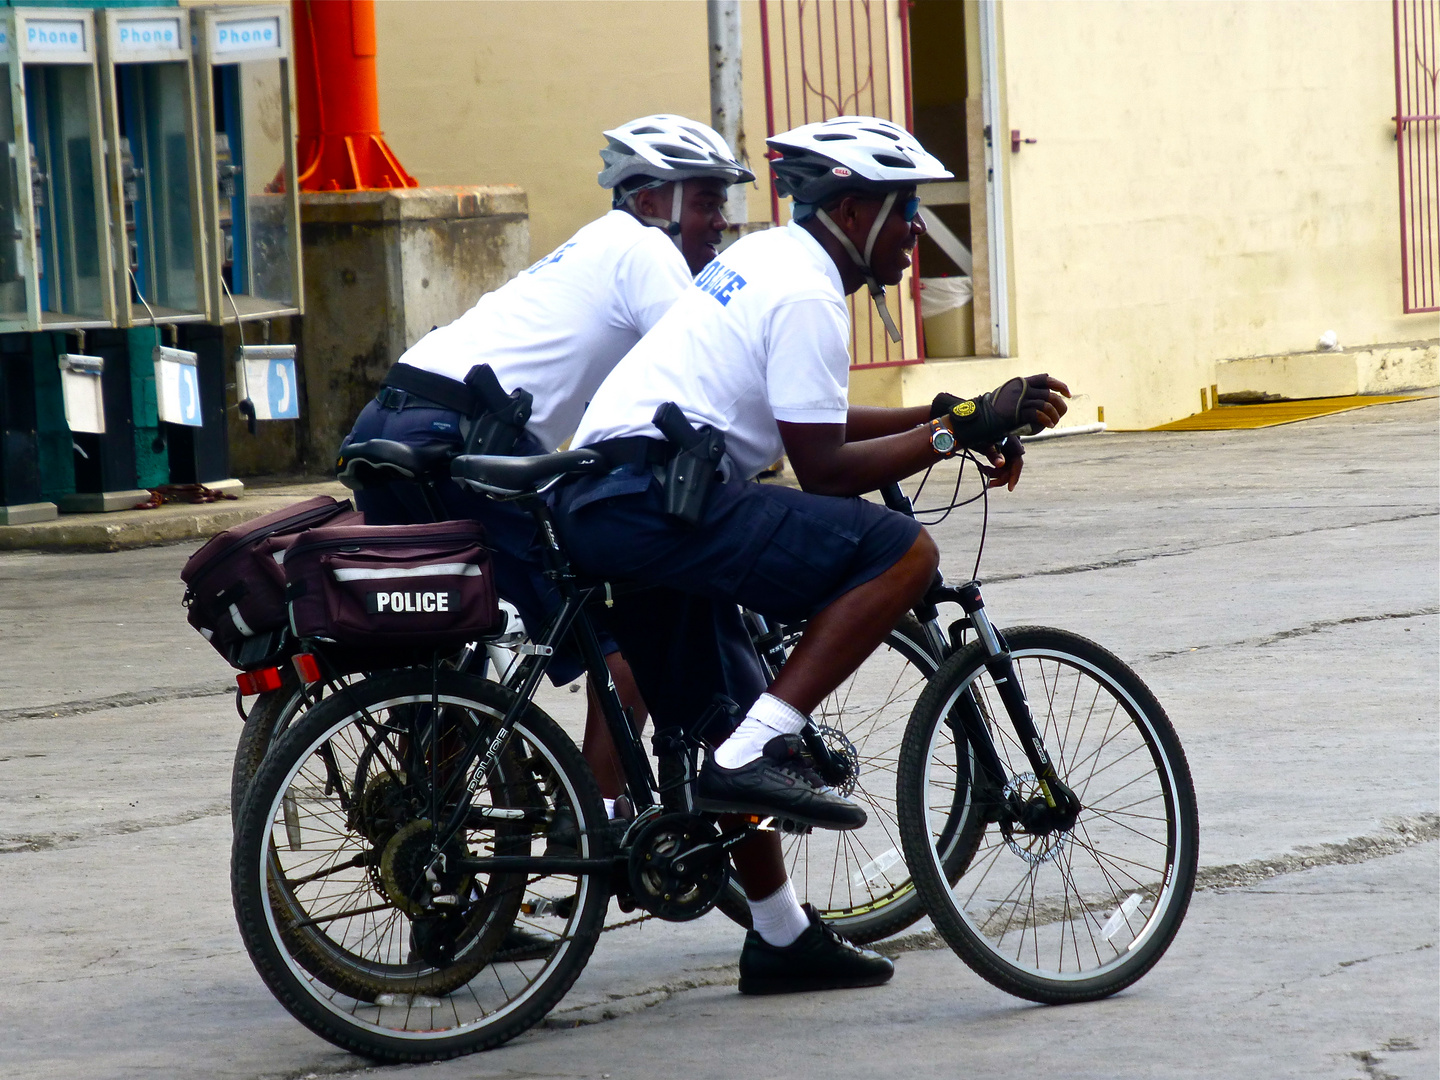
{"points": [[759, 862], [840, 637], [599, 748]]}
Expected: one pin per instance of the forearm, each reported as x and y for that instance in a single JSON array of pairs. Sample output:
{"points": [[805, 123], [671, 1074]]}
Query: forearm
{"points": [[857, 467], [865, 422]]}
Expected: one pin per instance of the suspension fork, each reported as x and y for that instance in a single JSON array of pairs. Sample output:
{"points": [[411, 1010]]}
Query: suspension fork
{"points": [[1002, 671]]}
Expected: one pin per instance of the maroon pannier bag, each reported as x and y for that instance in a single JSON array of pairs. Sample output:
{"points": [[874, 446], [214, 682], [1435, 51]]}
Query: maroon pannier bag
{"points": [[235, 584], [396, 586]]}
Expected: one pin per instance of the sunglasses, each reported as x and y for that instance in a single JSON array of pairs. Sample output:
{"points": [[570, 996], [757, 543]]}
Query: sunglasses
{"points": [[911, 209]]}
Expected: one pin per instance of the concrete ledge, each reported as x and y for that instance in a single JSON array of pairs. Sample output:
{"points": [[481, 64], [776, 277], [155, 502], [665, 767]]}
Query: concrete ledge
{"points": [[1374, 369], [413, 204], [172, 523], [26, 513], [101, 502]]}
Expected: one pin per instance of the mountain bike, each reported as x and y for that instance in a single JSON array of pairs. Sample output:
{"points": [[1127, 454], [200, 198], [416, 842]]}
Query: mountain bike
{"points": [[402, 825], [857, 881]]}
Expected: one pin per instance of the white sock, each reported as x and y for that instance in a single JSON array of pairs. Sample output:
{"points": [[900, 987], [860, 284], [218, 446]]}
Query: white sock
{"points": [[609, 807], [779, 918], [768, 717]]}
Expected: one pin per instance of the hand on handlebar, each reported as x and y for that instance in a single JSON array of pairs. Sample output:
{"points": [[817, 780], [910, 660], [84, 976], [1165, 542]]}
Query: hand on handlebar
{"points": [[1021, 406], [1033, 403], [1007, 458]]}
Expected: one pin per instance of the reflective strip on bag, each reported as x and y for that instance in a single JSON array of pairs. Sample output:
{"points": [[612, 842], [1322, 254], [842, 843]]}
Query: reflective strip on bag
{"points": [[454, 569]]}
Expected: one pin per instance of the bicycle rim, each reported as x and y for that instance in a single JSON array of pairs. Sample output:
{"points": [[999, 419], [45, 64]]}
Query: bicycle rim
{"points": [[328, 832], [1053, 915]]}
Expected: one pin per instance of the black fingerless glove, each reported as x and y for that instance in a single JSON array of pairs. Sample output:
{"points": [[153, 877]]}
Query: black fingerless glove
{"points": [[1012, 409], [942, 404]]}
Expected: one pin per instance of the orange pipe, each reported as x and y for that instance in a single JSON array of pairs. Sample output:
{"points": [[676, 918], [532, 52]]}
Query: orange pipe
{"points": [[340, 143]]}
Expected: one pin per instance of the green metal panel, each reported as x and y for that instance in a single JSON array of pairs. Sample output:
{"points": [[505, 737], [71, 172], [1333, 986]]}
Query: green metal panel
{"points": [[152, 456], [57, 454]]}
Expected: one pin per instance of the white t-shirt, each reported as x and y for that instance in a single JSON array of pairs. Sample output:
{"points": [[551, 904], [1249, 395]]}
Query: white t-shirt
{"points": [[558, 328], [761, 336]]}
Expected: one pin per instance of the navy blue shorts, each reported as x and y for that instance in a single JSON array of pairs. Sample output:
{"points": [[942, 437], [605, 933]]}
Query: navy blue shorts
{"points": [[783, 553], [510, 532], [775, 550]]}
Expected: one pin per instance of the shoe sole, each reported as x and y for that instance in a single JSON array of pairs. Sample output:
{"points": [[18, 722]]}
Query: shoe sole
{"points": [[810, 986], [719, 806]]}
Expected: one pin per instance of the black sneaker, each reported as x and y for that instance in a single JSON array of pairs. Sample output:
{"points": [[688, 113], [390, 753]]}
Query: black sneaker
{"points": [[779, 782], [819, 959]]}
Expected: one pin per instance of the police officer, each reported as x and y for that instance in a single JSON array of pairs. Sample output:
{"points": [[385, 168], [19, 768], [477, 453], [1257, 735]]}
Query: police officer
{"points": [[556, 330], [756, 351]]}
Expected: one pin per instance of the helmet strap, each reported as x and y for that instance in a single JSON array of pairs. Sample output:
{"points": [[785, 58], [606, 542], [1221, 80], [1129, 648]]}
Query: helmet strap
{"points": [[877, 291], [677, 203]]}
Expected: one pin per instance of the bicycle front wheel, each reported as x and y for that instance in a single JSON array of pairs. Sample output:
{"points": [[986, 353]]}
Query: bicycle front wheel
{"points": [[334, 868], [1050, 913]]}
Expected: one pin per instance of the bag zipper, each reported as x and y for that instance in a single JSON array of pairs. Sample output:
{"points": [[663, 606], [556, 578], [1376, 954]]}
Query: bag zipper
{"points": [[287, 525]]}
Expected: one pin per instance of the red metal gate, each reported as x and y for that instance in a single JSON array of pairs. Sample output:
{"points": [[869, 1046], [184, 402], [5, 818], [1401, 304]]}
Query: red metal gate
{"points": [[1417, 140], [827, 58]]}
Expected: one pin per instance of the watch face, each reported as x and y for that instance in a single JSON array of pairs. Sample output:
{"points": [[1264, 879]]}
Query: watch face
{"points": [[942, 441]]}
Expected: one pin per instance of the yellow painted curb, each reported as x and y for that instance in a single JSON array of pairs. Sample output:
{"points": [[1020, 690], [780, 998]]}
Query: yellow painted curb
{"points": [[1274, 413]]}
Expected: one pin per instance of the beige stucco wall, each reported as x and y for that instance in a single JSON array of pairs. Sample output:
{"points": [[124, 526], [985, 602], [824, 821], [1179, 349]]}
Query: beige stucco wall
{"points": [[1211, 180], [518, 92]]}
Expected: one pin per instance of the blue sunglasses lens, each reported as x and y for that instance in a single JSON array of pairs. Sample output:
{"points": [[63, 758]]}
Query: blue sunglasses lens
{"points": [[911, 208]]}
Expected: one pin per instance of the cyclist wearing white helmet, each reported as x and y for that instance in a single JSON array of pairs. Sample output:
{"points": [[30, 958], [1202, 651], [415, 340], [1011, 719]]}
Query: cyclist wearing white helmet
{"points": [[755, 355], [555, 331]]}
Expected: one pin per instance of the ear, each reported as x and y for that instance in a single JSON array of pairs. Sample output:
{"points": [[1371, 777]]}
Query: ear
{"points": [[654, 202]]}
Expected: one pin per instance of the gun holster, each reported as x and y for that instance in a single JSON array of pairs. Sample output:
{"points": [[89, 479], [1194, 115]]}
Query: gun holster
{"points": [[691, 468], [500, 418]]}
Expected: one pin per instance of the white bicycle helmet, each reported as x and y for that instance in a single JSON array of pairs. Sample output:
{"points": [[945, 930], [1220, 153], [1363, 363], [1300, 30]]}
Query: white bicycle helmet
{"points": [[852, 154], [662, 149]]}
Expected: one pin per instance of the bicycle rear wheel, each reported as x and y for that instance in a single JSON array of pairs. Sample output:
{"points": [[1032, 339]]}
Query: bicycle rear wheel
{"points": [[857, 880], [336, 833], [1050, 914]]}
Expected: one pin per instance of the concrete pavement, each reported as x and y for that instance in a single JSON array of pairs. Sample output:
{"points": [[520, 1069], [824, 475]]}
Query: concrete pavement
{"points": [[1276, 588]]}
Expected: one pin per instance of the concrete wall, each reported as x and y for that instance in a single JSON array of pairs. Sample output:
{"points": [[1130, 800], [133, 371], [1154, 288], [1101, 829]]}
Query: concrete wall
{"points": [[1211, 180], [519, 92]]}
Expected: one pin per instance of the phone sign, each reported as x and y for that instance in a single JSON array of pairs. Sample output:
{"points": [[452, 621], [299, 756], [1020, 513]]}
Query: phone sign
{"points": [[142, 35], [242, 35], [55, 35]]}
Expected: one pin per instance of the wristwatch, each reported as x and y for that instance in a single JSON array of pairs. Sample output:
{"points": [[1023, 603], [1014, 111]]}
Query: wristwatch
{"points": [[942, 439]]}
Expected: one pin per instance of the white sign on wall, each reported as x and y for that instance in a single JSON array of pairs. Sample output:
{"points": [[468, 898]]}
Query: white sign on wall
{"points": [[55, 36], [242, 35], [80, 387], [147, 35], [177, 386]]}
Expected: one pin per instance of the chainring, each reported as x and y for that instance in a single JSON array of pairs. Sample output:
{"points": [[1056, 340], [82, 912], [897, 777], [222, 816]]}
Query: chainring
{"points": [[678, 868]]}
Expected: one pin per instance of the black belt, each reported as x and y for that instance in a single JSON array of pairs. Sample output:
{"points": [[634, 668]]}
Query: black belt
{"points": [[634, 450], [437, 390]]}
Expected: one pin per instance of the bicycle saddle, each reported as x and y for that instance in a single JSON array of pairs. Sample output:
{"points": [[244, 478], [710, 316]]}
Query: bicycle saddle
{"points": [[510, 476], [377, 462]]}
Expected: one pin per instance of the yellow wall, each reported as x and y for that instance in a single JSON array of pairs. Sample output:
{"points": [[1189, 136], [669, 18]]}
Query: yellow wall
{"points": [[518, 92], [1211, 180]]}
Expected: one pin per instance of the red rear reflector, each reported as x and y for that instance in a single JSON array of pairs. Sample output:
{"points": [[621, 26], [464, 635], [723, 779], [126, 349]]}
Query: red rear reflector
{"points": [[306, 667], [258, 682]]}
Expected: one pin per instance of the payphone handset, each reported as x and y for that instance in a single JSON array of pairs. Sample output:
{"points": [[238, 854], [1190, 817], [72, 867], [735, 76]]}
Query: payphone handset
{"points": [[147, 83], [56, 198], [244, 81]]}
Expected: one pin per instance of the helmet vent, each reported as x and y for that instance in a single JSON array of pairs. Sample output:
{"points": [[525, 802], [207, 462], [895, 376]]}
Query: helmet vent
{"points": [[646, 131], [834, 137], [680, 152], [881, 131], [895, 161]]}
